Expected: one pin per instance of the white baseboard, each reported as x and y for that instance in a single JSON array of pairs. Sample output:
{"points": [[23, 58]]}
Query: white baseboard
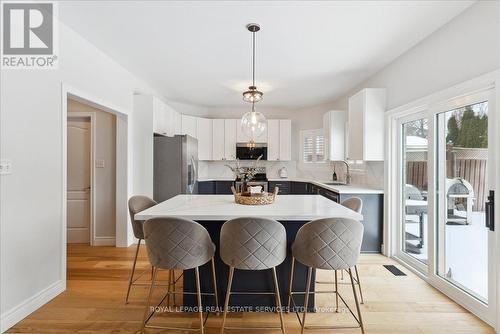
{"points": [[21, 311], [104, 241]]}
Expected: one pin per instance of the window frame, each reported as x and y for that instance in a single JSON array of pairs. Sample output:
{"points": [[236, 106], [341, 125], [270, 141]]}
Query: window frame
{"points": [[314, 133]]}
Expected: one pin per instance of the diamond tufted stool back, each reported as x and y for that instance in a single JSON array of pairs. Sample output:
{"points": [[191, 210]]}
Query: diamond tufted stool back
{"points": [[252, 243], [353, 203], [137, 204], [175, 243], [331, 243]]}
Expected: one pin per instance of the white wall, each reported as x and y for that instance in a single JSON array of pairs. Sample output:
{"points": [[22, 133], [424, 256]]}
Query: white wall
{"points": [[466, 47], [105, 178], [31, 137]]}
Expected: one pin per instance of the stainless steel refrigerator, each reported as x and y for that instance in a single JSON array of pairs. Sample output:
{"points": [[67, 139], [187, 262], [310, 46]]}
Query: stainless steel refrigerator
{"points": [[175, 166]]}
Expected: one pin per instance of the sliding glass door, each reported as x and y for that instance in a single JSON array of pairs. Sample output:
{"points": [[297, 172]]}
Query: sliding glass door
{"points": [[464, 178], [414, 188], [445, 156]]}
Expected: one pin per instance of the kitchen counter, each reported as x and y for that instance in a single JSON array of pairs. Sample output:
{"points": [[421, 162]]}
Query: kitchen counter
{"points": [[212, 211], [223, 207], [340, 189]]}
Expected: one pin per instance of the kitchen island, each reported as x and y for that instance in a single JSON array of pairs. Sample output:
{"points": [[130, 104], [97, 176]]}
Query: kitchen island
{"points": [[212, 211]]}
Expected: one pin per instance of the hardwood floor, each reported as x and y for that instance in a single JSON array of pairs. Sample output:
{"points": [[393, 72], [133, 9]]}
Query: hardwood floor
{"points": [[97, 282]]}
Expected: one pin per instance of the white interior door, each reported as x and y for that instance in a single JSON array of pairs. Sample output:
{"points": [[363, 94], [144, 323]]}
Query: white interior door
{"points": [[79, 180]]}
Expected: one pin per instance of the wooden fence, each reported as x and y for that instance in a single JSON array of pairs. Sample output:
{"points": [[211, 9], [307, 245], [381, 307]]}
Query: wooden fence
{"points": [[473, 171]]}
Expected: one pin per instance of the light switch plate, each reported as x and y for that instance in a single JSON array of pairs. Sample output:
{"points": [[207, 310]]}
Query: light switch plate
{"points": [[99, 163], [5, 167]]}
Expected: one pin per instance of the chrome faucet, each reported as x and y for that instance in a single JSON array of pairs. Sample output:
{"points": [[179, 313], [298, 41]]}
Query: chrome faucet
{"points": [[348, 174]]}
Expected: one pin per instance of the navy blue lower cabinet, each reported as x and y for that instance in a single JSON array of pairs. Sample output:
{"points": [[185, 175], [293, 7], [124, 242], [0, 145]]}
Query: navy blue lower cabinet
{"points": [[206, 187], [284, 187], [223, 187], [331, 195], [373, 220], [299, 188]]}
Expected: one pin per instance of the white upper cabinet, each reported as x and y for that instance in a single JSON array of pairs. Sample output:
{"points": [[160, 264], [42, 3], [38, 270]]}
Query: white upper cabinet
{"points": [[279, 136], [160, 121], [204, 135], [243, 138], [218, 142], [163, 115], [177, 119], [365, 125], [285, 139], [273, 139], [334, 123], [189, 126], [230, 126]]}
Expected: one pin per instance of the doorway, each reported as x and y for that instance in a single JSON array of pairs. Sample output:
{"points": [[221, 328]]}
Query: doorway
{"points": [[443, 155], [91, 175], [80, 179]]}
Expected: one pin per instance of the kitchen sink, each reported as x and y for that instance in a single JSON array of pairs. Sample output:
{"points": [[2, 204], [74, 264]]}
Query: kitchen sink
{"points": [[335, 183]]}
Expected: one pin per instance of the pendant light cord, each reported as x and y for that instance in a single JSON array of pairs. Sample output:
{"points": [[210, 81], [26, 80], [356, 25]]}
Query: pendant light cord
{"points": [[253, 58]]}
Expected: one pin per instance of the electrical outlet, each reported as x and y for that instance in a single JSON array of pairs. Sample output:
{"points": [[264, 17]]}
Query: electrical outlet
{"points": [[99, 163], [5, 167]]}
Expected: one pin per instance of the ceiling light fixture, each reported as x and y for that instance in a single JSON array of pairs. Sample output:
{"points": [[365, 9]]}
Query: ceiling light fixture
{"points": [[253, 123], [252, 94]]}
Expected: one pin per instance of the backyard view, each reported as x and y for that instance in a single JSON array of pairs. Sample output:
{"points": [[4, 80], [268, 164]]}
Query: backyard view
{"points": [[463, 238], [461, 190]]}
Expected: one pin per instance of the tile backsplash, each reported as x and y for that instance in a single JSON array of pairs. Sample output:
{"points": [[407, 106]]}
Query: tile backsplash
{"points": [[218, 169], [369, 174]]}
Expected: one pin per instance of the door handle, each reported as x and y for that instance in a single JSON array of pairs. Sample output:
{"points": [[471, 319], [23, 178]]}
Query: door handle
{"points": [[490, 211]]}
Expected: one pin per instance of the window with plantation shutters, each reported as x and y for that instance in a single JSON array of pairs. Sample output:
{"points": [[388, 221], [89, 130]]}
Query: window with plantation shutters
{"points": [[313, 146]]}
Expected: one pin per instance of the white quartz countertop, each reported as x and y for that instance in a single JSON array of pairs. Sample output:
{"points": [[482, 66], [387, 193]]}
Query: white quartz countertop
{"points": [[340, 189], [223, 207]]}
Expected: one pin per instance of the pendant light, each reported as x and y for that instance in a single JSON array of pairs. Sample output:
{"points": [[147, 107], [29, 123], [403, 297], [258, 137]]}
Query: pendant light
{"points": [[253, 123], [252, 94]]}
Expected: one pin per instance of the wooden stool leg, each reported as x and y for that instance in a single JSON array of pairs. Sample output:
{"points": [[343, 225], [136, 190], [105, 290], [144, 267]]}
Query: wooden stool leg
{"points": [[133, 271], [278, 300], [226, 303], [151, 288], [336, 292], [214, 280], [359, 285], [357, 302], [198, 295], [290, 286], [306, 299]]}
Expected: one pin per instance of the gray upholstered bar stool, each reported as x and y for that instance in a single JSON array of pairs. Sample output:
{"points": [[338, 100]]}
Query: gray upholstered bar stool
{"points": [[137, 204], [355, 204], [328, 244], [178, 244], [253, 244]]}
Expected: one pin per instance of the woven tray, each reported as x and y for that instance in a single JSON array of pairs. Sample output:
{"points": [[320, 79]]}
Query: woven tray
{"points": [[257, 199]]}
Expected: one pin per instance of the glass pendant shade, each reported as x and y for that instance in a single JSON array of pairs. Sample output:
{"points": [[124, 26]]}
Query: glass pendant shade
{"points": [[253, 124], [252, 95]]}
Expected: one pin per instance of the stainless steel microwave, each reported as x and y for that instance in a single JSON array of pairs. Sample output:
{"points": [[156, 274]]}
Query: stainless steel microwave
{"points": [[251, 151]]}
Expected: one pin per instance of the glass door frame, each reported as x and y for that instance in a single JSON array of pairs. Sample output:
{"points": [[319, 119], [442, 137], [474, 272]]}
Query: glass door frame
{"points": [[457, 96], [399, 253], [478, 307]]}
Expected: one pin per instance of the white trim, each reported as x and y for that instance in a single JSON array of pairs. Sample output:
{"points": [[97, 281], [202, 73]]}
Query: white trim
{"points": [[92, 116], [28, 306], [122, 238], [450, 98], [104, 241]]}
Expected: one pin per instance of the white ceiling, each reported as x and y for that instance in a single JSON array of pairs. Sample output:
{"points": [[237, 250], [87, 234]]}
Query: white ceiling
{"points": [[308, 53]]}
